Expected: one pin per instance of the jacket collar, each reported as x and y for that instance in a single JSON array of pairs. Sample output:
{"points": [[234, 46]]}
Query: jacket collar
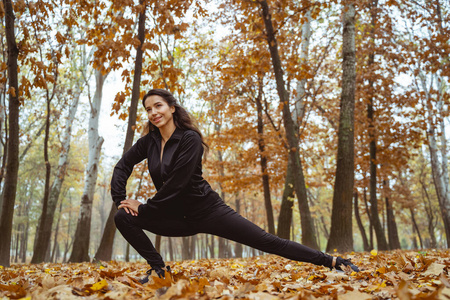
{"points": [[176, 135]]}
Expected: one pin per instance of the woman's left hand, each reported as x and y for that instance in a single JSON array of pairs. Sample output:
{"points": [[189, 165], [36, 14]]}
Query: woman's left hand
{"points": [[131, 206]]}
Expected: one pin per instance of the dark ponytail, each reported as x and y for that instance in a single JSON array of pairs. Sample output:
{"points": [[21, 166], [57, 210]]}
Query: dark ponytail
{"points": [[181, 117]]}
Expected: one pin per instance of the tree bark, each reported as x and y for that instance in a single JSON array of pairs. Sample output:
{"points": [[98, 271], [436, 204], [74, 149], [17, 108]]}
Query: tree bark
{"points": [[439, 169], [12, 164], [430, 214], [360, 224], [379, 232], [394, 242], [46, 222], [416, 227], [308, 231], [263, 162], [104, 251], [287, 202], [341, 233], [239, 249], [80, 250]]}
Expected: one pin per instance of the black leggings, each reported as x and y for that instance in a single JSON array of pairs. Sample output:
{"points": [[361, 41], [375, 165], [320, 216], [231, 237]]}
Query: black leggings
{"points": [[222, 221]]}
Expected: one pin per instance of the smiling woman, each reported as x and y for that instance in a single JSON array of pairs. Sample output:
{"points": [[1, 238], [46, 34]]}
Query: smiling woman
{"points": [[185, 204]]}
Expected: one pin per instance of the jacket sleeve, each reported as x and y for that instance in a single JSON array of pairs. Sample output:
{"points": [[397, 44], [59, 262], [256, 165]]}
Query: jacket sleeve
{"points": [[190, 153], [124, 168]]}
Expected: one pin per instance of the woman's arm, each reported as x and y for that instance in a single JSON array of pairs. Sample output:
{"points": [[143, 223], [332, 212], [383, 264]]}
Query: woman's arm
{"points": [[124, 168], [190, 154]]}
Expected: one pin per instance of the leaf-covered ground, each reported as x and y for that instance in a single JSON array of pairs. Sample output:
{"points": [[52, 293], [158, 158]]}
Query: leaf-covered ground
{"points": [[396, 274]]}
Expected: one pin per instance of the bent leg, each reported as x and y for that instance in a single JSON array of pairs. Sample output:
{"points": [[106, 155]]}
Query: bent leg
{"points": [[131, 227], [229, 224]]}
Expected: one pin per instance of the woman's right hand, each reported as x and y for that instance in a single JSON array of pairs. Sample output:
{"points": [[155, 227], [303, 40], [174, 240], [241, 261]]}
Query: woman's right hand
{"points": [[130, 206]]}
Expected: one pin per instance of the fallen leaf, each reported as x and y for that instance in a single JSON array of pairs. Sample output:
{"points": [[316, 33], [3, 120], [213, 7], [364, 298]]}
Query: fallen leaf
{"points": [[354, 295], [435, 269]]}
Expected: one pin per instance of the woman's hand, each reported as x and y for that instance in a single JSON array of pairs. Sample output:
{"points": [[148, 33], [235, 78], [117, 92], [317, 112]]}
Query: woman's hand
{"points": [[130, 206]]}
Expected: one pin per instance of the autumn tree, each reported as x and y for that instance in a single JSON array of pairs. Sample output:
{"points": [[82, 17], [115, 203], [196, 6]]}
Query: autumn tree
{"points": [[12, 163], [341, 233]]}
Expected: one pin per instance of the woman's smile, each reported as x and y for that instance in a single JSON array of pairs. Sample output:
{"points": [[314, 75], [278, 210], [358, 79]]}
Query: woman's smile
{"points": [[159, 112]]}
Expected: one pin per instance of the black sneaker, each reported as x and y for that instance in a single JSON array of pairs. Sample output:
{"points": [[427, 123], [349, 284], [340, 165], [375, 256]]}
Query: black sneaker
{"points": [[160, 271], [345, 262]]}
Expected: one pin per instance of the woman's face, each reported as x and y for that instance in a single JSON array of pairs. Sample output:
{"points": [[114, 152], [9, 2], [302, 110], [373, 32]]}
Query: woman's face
{"points": [[158, 111]]}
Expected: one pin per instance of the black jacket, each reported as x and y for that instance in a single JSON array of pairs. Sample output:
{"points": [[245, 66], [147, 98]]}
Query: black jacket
{"points": [[178, 178]]}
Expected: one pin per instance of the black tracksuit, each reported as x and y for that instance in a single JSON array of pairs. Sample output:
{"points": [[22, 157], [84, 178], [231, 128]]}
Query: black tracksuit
{"points": [[185, 203]]}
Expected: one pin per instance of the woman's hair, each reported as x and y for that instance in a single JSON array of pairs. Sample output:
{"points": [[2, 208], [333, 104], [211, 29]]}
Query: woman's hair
{"points": [[181, 117]]}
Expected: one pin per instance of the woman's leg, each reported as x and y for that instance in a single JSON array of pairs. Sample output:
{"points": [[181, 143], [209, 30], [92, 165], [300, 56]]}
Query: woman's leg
{"points": [[227, 223], [131, 227]]}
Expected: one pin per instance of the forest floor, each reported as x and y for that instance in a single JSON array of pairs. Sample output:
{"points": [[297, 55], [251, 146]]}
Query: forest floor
{"points": [[384, 275]]}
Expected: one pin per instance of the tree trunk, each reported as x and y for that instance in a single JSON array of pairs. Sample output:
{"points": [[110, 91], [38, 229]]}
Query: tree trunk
{"points": [[416, 228], [299, 111], [439, 170], [104, 251], [430, 215], [43, 219], [46, 221], [341, 234], [379, 232], [212, 246], [263, 162], [55, 251], [238, 249], [360, 224], [171, 256], [185, 253], [158, 243], [370, 219], [80, 250], [394, 242], [287, 202], [12, 163], [308, 231]]}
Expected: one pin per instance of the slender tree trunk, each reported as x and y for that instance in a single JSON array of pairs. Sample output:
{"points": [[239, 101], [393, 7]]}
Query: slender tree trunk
{"points": [[185, 255], [360, 224], [43, 219], [158, 243], [341, 233], [127, 252], [300, 98], [263, 162], [430, 215], [171, 256], [80, 250], [381, 237], [394, 241], [12, 164], [308, 232], [3, 129], [55, 255], [104, 251], [370, 219], [238, 249], [416, 227], [440, 172], [212, 246], [46, 222], [287, 202]]}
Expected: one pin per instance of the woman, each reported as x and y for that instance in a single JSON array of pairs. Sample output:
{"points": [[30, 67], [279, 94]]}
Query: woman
{"points": [[185, 203]]}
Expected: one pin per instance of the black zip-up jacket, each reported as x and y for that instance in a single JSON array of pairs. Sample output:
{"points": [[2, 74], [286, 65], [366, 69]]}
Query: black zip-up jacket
{"points": [[178, 178]]}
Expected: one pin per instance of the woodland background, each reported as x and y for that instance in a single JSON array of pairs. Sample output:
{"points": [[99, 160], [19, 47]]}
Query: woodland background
{"points": [[326, 120]]}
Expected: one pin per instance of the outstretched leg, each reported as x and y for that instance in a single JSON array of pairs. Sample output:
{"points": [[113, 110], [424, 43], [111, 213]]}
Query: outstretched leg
{"points": [[227, 223]]}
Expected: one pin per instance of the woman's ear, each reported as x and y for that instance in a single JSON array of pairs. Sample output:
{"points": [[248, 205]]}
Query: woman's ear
{"points": [[172, 109]]}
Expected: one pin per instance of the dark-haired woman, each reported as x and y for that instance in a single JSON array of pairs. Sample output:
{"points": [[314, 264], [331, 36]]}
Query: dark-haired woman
{"points": [[185, 203]]}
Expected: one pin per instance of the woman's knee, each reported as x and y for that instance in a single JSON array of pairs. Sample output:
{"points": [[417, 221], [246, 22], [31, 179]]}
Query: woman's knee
{"points": [[120, 217]]}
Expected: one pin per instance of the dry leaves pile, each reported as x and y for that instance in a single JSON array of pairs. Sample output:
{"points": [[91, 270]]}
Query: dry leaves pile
{"points": [[396, 274]]}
